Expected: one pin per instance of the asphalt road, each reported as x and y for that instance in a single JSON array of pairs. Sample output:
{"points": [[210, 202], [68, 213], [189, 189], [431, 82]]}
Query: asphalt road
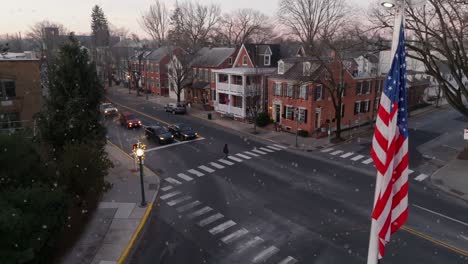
{"points": [[275, 206]]}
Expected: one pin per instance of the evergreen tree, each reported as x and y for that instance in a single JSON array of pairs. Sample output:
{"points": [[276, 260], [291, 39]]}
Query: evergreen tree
{"points": [[99, 27], [176, 35]]}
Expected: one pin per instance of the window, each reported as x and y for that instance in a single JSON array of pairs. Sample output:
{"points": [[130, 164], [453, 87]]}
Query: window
{"points": [[158, 83], [365, 106], [213, 95], [244, 60], [267, 60], [367, 87], [9, 120], [206, 75], [277, 89], [236, 79], [237, 101], [222, 78], [318, 92], [213, 77], [229, 61], [302, 118], [303, 92], [376, 104], [157, 68], [357, 107], [342, 110], [7, 89], [306, 68], [359, 88], [281, 67], [290, 90], [290, 112], [223, 98]]}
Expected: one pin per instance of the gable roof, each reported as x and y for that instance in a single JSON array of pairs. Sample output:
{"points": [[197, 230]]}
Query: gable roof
{"points": [[212, 57], [158, 54], [296, 72], [256, 52], [290, 50]]}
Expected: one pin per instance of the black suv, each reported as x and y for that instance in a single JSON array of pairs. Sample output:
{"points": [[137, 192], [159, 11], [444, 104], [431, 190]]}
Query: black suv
{"points": [[159, 134], [182, 131]]}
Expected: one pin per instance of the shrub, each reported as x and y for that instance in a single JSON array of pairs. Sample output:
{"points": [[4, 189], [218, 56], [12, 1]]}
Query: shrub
{"points": [[303, 133], [263, 119]]}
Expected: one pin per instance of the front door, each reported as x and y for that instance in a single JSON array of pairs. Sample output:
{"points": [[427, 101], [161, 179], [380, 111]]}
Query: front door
{"points": [[277, 113], [317, 118]]}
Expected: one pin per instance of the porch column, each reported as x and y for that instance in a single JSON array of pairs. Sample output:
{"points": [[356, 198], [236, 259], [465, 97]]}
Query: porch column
{"points": [[229, 103], [244, 108]]}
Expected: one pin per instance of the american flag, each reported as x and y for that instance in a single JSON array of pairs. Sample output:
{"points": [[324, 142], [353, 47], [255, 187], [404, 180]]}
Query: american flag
{"points": [[390, 154]]}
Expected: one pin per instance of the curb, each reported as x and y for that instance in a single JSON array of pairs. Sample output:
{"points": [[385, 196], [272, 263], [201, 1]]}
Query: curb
{"points": [[124, 255]]}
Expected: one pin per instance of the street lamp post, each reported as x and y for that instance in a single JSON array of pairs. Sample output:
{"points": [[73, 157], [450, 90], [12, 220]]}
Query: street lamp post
{"points": [[140, 153]]}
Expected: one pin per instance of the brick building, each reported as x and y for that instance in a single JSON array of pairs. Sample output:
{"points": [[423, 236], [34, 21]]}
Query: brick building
{"points": [[20, 90], [298, 96]]}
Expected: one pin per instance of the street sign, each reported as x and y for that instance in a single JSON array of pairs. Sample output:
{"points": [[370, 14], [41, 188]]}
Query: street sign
{"points": [[465, 134]]}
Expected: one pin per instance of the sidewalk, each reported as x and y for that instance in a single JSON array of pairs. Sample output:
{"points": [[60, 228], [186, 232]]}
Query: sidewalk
{"points": [[117, 221], [453, 177]]}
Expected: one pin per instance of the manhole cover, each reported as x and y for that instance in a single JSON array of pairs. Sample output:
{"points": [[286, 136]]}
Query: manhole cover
{"points": [[152, 186]]}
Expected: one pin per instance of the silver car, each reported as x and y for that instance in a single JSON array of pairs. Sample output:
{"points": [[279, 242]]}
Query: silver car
{"points": [[175, 108]]}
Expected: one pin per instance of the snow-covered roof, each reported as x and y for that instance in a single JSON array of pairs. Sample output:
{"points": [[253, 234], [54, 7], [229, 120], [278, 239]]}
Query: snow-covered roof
{"points": [[18, 56]]}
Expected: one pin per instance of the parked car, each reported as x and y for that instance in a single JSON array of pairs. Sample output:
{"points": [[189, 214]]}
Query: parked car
{"points": [[183, 132], [108, 109], [159, 133], [129, 120], [175, 108]]}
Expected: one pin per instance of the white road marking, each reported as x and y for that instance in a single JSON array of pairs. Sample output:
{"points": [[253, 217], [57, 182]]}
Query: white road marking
{"points": [[234, 158], [167, 188], [421, 177], [441, 215], [367, 161], [280, 146], [184, 176], [327, 150], [288, 260], [259, 151], [251, 154], [344, 156], [227, 162], [216, 165], [189, 206], [178, 200], [220, 228], [358, 157], [205, 168], [464, 237], [336, 152], [169, 195], [234, 236], [265, 254], [267, 150], [199, 212], [243, 156], [251, 243], [173, 181], [196, 173], [274, 148], [210, 219], [173, 144], [410, 171]]}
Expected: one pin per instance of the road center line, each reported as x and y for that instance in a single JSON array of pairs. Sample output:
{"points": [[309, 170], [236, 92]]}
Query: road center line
{"points": [[441, 215], [173, 144]]}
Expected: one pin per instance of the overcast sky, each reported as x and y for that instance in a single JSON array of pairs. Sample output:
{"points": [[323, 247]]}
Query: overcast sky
{"points": [[18, 16]]}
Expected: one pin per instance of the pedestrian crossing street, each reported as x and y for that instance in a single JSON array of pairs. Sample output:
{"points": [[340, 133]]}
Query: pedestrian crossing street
{"points": [[229, 232], [220, 164], [366, 160]]}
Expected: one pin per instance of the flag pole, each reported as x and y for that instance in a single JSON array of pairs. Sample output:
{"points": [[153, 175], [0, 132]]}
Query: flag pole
{"points": [[373, 253]]}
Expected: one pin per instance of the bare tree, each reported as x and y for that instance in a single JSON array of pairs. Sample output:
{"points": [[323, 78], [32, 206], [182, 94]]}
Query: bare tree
{"points": [[122, 32], [439, 33], [36, 31], [180, 73], [244, 25], [155, 22]]}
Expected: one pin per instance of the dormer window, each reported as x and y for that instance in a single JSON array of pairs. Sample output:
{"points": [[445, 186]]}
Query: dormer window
{"points": [[229, 61], [280, 67], [267, 60], [244, 60], [307, 68]]}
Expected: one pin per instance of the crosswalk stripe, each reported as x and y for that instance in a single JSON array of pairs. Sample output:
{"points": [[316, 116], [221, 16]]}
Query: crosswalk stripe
{"points": [[258, 151], [178, 200], [220, 228], [196, 173], [227, 162], [410, 171], [189, 206], [288, 260], [358, 157], [327, 150], [173, 181], [234, 158], [184, 176], [167, 188], [265, 254], [216, 165], [274, 148], [210, 219], [199, 212], [421, 177], [205, 168], [367, 161], [344, 156], [251, 154], [251, 243], [234, 236], [243, 156], [336, 152], [169, 195], [267, 150], [280, 146]]}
